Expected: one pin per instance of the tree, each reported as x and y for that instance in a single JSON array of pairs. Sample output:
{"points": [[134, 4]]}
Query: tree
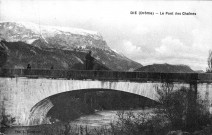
{"points": [[210, 62], [5, 121], [174, 106]]}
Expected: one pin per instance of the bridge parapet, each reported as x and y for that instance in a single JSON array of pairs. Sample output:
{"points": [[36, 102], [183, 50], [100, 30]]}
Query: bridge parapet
{"points": [[109, 75]]}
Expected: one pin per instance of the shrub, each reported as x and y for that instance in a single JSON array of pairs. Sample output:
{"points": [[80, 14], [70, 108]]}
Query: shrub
{"points": [[5, 122], [174, 106], [130, 123]]}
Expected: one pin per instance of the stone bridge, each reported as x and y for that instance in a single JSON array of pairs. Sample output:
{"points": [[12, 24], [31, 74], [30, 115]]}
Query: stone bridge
{"points": [[24, 93]]}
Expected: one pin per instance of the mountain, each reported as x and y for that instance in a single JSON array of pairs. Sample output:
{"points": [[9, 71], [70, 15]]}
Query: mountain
{"points": [[166, 68], [61, 47]]}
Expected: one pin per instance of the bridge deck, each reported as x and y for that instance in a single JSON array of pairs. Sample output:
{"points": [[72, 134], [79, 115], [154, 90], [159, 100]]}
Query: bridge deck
{"points": [[109, 75]]}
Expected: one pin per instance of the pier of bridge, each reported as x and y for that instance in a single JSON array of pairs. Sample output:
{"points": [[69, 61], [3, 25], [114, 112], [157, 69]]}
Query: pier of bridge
{"points": [[24, 92]]}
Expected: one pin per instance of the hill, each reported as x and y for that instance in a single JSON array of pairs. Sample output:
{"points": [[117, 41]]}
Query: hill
{"points": [[166, 68]]}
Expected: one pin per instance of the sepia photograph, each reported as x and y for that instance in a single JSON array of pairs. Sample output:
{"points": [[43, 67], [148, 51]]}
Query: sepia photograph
{"points": [[105, 67]]}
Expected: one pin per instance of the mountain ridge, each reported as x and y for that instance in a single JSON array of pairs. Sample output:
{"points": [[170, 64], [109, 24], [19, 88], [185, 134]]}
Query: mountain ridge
{"points": [[30, 32], [66, 49]]}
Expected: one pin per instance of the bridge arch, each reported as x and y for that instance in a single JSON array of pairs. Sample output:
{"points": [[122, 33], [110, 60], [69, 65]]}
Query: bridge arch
{"points": [[38, 113], [24, 93]]}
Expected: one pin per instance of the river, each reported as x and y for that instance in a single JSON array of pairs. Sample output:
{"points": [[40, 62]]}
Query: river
{"points": [[94, 121], [104, 118]]}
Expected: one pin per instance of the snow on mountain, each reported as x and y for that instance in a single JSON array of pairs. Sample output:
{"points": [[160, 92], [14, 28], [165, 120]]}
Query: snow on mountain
{"points": [[37, 28], [66, 37]]}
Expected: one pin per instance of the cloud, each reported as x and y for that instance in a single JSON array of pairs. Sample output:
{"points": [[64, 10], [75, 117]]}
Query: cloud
{"points": [[174, 51], [171, 47], [130, 49]]}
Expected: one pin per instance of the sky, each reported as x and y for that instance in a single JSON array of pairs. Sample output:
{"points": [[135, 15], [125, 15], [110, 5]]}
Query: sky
{"points": [[147, 39]]}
